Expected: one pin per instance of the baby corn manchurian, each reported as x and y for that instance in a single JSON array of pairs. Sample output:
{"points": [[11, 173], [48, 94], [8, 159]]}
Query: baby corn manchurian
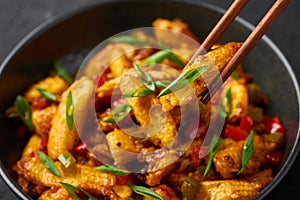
{"points": [[61, 138], [83, 176], [216, 59], [158, 132]]}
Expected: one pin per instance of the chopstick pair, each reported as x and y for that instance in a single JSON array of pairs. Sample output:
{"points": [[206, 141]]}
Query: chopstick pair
{"points": [[254, 37]]}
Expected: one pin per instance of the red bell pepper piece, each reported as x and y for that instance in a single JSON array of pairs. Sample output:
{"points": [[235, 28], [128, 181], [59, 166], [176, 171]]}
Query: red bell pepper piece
{"points": [[195, 158], [235, 133], [80, 148], [122, 180], [40, 103], [246, 123], [274, 157], [273, 125]]}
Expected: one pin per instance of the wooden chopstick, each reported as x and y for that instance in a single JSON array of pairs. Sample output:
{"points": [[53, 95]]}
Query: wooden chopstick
{"points": [[220, 27], [263, 26]]}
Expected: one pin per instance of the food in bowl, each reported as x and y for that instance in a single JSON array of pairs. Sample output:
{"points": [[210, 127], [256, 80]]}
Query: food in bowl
{"points": [[175, 160]]}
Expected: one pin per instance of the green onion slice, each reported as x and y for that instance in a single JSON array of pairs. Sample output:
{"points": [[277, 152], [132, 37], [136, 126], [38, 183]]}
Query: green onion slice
{"points": [[48, 163], [214, 148], [183, 80], [24, 111], [141, 92], [70, 111], [72, 189], [234, 75], [161, 55], [145, 78], [129, 40], [67, 159], [118, 114], [248, 150], [60, 71], [146, 192], [47, 95], [113, 170]]}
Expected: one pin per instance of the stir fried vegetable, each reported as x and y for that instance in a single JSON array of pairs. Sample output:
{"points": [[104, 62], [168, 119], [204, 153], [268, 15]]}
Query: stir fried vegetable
{"points": [[147, 124]]}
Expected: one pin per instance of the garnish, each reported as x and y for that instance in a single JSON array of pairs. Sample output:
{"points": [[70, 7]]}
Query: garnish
{"points": [[145, 78], [24, 111], [72, 189], [70, 111], [113, 170], [67, 159], [223, 111], [183, 80], [161, 55], [48, 163], [118, 114], [60, 71], [47, 95], [129, 40], [146, 192], [234, 75], [141, 92], [248, 149], [214, 148]]}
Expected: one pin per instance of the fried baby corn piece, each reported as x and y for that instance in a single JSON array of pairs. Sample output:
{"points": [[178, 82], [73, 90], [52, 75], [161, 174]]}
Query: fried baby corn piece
{"points": [[53, 193], [52, 84], [62, 139], [42, 120], [228, 160], [217, 59], [227, 190], [123, 147], [32, 145], [81, 176]]}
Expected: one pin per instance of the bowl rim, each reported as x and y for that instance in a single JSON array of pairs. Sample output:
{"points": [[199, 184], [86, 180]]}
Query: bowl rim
{"points": [[54, 20]]}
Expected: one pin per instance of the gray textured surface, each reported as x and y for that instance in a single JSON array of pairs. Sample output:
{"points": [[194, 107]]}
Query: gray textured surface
{"points": [[19, 17]]}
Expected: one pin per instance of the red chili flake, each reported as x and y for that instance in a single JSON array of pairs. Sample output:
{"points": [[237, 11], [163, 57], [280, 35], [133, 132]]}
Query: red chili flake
{"points": [[80, 148], [274, 157], [43, 145], [22, 131], [100, 80], [40, 103], [168, 191], [122, 180], [195, 158]]}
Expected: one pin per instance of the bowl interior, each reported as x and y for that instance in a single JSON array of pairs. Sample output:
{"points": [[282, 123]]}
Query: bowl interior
{"points": [[70, 37]]}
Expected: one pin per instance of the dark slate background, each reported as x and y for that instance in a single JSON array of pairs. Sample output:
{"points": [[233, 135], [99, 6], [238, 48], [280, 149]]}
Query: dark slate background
{"points": [[19, 17]]}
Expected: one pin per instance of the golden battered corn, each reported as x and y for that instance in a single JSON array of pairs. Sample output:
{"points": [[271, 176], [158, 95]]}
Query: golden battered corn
{"points": [[227, 190], [53, 84], [32, 145], [62, 139], [42, 120], [218, 57], [82, 176]]}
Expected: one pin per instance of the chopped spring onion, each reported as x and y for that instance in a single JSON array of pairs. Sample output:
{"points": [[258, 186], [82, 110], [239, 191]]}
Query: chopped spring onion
{"points": [[47, 95], [141, 92], [146, 79], [72, 189], [113, 170], [183, 80], [60, 71], [161, 55], [48, 163], [225, 110], [248, 150], [214, 148], [69, 111], [67, 159], [129, 40], [24, 111], [118, 114], [146, 192]]}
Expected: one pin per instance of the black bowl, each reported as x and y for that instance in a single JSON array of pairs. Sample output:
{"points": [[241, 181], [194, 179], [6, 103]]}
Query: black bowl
{"points": [[70, 37]]}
